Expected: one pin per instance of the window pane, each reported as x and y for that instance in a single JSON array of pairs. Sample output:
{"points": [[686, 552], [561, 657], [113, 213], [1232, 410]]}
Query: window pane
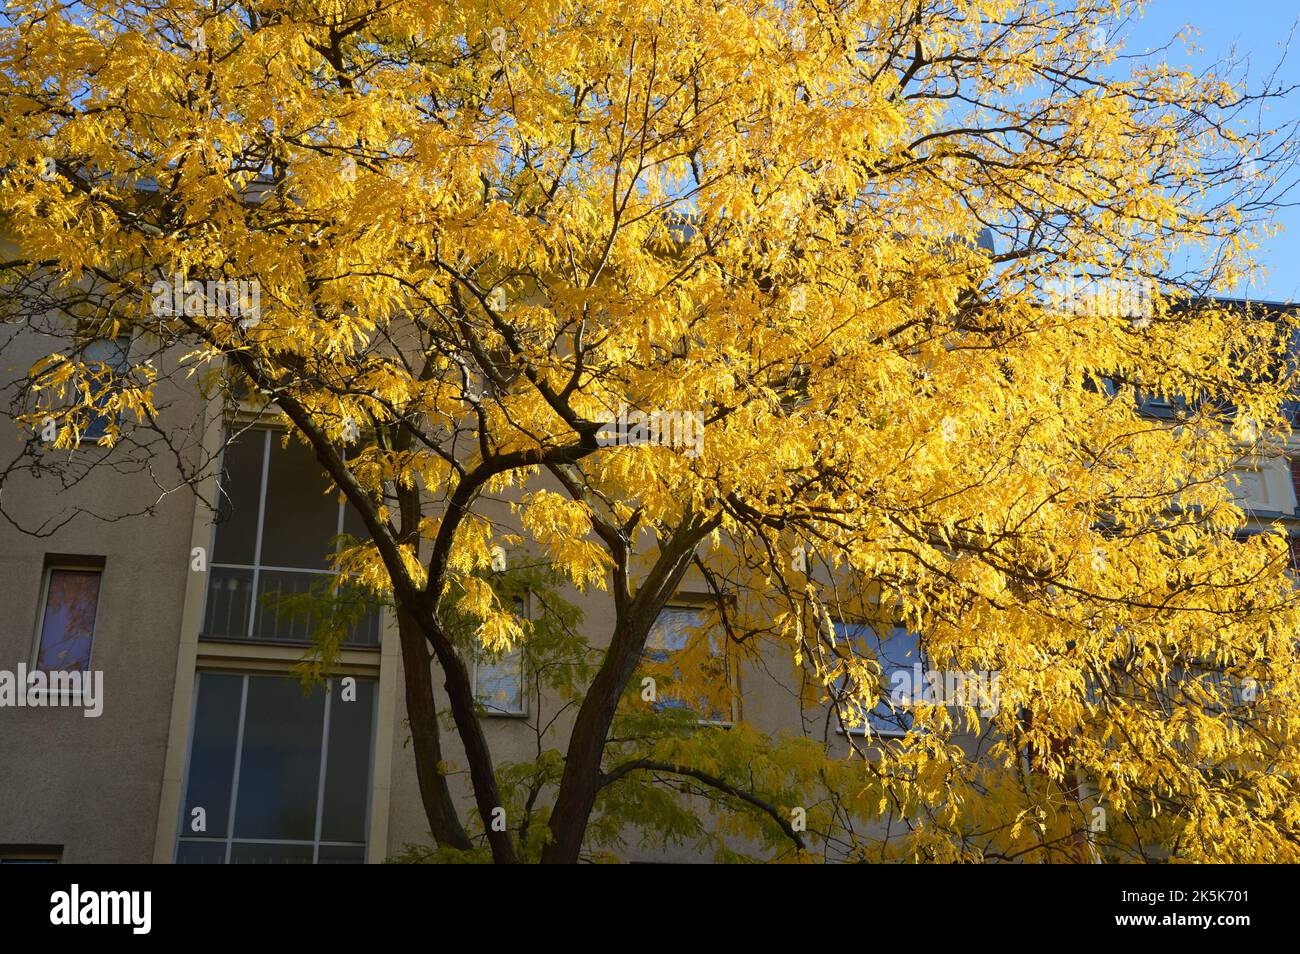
{"points": [[342, 855], [241, 487], [353, 524], [68, 626], [212, 755], [230, 600], [499, 682], [499, 679], [201, 853], [672, 629], [111, 353], [673, 634], [347, 771], [897, 651], [302, 513], [279, 771], [278, 618], [106, 360], [252, 853]]}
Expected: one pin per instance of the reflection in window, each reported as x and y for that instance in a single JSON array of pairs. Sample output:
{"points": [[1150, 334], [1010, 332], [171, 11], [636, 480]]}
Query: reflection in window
{"points": [[275, 776], [897, 652], [499, 683], [107, 361], [68, 620], [499, 678], [678, 643]]}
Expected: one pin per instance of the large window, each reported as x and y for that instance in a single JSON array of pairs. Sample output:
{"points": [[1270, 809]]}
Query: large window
{"points": [[275, 775], [688, 662], [275, 532], [897, 652], [69, 606]]}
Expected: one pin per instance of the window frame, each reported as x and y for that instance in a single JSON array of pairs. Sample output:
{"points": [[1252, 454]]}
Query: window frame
{"points": [[230, 838], [702, 604], [891, 731], [47, 576], [269, 433], [498, 713]]}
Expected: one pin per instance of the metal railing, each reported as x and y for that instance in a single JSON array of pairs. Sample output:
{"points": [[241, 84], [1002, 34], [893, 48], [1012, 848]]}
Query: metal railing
{"points": [[232, 613]]}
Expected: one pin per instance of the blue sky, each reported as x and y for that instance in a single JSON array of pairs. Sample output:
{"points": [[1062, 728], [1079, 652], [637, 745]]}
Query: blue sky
{"points": [[1258, 30]]}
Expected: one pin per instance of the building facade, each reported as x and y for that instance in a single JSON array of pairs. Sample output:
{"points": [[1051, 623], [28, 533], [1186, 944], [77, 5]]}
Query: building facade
{"points": [[206, 749]]}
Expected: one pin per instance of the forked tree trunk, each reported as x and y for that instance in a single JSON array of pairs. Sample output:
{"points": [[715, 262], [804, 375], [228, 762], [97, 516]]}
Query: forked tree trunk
{"points": [[582, 763]]}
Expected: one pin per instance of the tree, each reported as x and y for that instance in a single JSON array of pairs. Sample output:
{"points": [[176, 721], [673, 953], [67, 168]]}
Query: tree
{"points": [[473, 234]]}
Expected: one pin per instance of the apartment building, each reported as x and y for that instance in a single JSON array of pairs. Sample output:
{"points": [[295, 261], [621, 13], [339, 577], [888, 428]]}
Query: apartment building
{"points": [[206, 749]]}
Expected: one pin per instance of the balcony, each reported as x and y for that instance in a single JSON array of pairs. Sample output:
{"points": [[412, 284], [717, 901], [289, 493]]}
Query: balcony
{"points": [[232, 614]]}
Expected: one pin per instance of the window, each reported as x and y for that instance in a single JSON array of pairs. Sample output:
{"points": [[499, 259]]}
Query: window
{"points": [[1249, 488], [275, 776], [1211, 687], [69, 606], [678, 642], [499, 679], [107, 360], [1159, 405], [499, 684], [897, 651], [276, 524], [30, 854]]}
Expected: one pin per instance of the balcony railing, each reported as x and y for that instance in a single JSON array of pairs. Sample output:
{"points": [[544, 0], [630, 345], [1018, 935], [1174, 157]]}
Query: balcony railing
{"points": [[233, 614], [214, 851]]}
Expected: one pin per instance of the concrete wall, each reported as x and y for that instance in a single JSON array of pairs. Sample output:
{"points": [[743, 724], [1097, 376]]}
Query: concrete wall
{"points": [[92, 784]]}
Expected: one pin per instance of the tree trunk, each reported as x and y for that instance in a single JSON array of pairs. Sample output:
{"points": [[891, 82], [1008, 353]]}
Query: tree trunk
{"points": [[460, 693], [581, 779], [422, 715], [582, 762]]}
